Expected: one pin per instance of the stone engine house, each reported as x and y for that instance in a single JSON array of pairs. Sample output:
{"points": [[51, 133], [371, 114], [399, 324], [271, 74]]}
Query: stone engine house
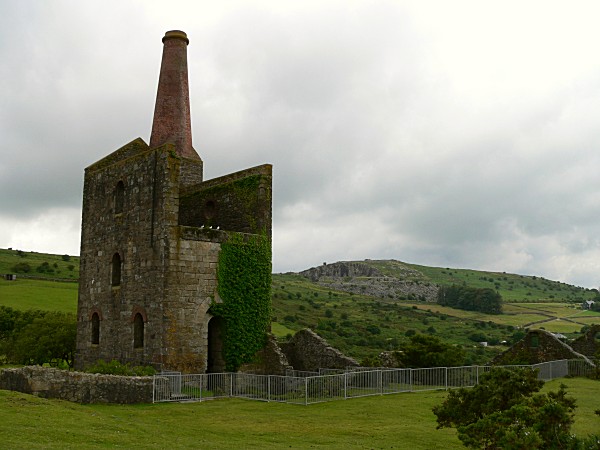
{"points": [[152, 236]]}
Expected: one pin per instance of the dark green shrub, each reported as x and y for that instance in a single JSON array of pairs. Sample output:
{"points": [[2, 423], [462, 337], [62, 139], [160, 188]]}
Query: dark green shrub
{"points": [[116, 368]]}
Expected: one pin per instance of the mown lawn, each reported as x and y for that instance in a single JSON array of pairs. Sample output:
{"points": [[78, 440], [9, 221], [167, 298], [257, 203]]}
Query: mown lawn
{"points": [[25, 294], [395, 421]]}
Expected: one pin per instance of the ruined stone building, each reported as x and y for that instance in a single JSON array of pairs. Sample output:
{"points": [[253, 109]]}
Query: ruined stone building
{"points": [[175, 270]]}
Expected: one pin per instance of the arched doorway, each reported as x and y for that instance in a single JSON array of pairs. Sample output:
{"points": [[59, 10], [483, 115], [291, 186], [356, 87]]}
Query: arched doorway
{"points": [[215, 360]]}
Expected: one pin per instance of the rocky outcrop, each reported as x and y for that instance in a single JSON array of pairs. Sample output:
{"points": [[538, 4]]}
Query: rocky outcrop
{"points": [[309, 351], [362, 278]]}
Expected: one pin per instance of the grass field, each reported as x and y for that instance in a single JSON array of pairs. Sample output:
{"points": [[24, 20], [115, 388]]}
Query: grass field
{"points": [[41, 265], [394, 421], [39, 294]]}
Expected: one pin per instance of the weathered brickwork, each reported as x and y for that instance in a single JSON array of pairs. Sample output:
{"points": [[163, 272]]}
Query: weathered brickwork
{"points": [[148, 267]]}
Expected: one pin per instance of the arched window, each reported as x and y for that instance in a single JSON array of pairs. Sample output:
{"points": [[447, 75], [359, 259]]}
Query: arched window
{"points": [[116, 270], [119, 197], [95, 329], [138, 331]]}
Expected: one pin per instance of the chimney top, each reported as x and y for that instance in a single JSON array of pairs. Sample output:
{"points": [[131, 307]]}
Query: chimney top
{"points": [[172, 122], [176, 34]]}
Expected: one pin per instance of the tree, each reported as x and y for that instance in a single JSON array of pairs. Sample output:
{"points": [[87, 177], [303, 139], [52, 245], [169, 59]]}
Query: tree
{"points": [[505, 411], [484, 300], [429, 351], [46, 339]]}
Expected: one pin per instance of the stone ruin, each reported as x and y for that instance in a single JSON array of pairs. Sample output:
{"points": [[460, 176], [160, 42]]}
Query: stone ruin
{"points": [[539, 346], [151, 236]]}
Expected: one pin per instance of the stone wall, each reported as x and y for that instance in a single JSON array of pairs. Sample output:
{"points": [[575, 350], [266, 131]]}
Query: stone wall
{"points": [[589, 343], [269, 361], [309, 351], [239, 202], [536, 347], [77, 386]]}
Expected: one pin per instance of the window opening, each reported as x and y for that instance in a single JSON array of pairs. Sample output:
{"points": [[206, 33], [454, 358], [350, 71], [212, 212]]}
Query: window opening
{"points": [[138, 331], [116, 270], [119, 197], [95, 329]]}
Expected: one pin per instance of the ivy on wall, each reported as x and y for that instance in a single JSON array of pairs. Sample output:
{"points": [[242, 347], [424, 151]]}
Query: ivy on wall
{"points": [[244, 285]]}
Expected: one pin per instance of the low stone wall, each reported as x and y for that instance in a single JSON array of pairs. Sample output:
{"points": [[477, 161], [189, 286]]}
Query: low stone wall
{"points": [[268, 361], [309, 351], [77, 387]]}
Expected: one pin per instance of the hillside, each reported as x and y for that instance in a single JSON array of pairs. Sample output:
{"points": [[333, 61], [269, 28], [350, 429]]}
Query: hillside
{"points": [[360, 307], [39, 265], [403, 281]]}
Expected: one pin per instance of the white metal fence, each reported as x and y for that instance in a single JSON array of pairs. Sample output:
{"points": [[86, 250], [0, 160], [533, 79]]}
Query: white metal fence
{"points": [[305, 388]]}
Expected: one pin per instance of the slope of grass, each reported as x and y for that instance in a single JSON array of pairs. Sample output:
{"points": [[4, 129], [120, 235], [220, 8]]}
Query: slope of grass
{"points": [[39, 294], [393, 421], [57, 266], [512, 287]]}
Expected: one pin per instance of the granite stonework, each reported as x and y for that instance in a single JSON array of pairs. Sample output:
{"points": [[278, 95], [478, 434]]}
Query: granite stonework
{"points": [[151, 235], [538, 346], [77, 386], [309, 351]]}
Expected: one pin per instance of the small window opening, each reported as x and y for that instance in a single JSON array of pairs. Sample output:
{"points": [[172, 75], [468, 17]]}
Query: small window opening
{"points": [[138, 331], [535, 341], [119, 197], [95, 329], [116, 270], [209, 210]]}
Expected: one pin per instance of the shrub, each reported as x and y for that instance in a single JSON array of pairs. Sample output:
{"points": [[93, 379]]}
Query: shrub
{"points": [[116, 368], [22, 267]]}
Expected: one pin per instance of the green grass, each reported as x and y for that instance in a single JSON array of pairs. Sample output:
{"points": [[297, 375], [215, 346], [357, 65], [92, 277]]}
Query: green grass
{"points": [[58, 265], [512, 287], [39, 294], [393, 421]]}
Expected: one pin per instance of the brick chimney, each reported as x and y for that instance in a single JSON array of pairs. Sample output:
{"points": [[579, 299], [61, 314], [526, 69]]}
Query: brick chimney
{"points": [[172, 121]]}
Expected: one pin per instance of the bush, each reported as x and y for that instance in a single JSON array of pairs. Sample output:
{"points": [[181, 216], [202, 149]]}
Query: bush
{"points": [[22, 267], [116, 368], [41, 337], [503, 412]]}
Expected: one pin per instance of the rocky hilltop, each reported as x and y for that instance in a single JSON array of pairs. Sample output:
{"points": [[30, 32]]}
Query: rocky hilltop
{"points": [[368, 279]]}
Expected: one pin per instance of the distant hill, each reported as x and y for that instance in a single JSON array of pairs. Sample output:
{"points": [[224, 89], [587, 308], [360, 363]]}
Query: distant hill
{"points": [[403, 281], [39, 265], [360, 307]]}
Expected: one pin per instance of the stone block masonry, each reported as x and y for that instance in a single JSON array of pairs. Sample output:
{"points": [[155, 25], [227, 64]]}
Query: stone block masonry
{"points": [[77, 387], [151, 238]]}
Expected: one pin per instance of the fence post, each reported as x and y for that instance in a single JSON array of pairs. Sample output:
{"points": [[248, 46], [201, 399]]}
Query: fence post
{"points": [[306, 391], [202, 383], [446, 377], [380, 381], [411, 379], [269, 388], [153, 388], [345, 385]]}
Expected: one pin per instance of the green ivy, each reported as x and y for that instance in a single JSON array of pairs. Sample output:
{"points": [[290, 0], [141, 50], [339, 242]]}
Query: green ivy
{"points": [[244, 285]]}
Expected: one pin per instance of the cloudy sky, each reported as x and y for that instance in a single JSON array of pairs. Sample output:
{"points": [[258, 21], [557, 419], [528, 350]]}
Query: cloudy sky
{"points": [[456, 134]]}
